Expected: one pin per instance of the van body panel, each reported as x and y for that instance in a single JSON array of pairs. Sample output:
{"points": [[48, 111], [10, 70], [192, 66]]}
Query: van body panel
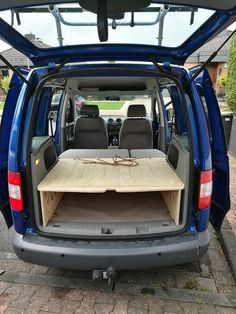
{"points": [[220, 163], [5, 131], [198, 136]]}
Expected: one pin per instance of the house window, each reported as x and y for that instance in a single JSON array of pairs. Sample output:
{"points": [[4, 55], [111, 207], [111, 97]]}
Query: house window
{"points": [[5, 73]]}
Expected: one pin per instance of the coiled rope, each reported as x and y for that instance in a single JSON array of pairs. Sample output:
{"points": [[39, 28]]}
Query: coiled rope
{"points": [[116, 161]]}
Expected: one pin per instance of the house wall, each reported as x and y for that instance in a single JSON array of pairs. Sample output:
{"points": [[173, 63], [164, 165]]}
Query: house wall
{"points": [[215, 69], [1, 91]]}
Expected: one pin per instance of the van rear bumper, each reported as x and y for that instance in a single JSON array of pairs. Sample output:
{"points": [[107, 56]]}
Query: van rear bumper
{"points": [[90, 255]]}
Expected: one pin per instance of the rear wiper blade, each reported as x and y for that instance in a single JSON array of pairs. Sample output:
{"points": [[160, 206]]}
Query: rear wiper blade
{"points": [[205, 64], [14, 69]]}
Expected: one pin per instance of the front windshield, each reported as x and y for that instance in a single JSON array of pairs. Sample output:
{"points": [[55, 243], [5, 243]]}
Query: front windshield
{"points": [[114, 105], [70, 24]]}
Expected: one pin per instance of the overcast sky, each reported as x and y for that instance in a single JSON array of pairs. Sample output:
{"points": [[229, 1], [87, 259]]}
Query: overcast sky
{"points": [[176, 29]]}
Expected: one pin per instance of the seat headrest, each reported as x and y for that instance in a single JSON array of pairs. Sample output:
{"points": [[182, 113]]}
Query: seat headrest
{"points": [[89, 111], [136, 111]]}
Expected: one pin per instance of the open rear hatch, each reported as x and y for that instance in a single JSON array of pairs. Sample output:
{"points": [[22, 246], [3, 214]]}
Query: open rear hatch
{"points": [[72, 31]]}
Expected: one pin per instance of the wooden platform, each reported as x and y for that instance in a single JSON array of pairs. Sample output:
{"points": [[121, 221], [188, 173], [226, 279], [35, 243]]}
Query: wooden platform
{"points": [[69, 175], [152, 174]]}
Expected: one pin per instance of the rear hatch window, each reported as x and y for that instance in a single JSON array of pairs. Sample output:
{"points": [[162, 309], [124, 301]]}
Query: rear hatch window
{"points": [[166, 25]]}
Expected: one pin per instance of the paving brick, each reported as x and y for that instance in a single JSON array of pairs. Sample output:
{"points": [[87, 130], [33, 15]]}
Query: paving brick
{"points": [[74, 295], [186, 281], [24, 298], [22, 301], [4, 286], [207, 309], [165, 280], [15, 288], [39, 269], [227, 289], [56, 272], [3, 307], [137, 311], [59, 292], [121, 303], [101, 308], [206, 284], [36, 304], [190, 308], [120, 308], [103, 297], [119, 297], [214, 243], [205, 266], [54, 305], [44, 291], [85, 308], [225, 310], [14, 310], [15, 265], [47, 312], [68, 306], [172, 307], [7, 298], [30, 289], [88, 302], [37, 299], [218, 261], [138, 277], [223, 279], [138, 302], [155, 305]]}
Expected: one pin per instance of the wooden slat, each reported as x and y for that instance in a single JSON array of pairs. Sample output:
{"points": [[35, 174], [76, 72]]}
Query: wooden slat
{"points": [[172, 201], [49, 203], [152, 174]]}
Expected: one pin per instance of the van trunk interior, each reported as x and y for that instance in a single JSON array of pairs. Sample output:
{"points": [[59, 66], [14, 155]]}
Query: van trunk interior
{"points": [[83, 193]]}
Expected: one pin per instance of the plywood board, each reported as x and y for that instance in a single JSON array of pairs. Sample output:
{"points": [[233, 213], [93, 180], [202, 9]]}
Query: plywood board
{"points": [[111, 207], [49, 203], [152, 174], [172, 201]]}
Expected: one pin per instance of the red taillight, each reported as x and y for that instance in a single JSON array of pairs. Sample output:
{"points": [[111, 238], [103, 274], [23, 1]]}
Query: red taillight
{"points": [[15, 191], [205, 191]]}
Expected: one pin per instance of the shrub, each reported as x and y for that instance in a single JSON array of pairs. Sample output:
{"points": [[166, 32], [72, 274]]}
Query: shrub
{"points": [[230, 87], [5, 82]]}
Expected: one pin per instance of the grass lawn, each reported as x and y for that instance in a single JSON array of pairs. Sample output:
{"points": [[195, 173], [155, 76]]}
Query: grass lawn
{"points": [[107, 105], [1, 105]]}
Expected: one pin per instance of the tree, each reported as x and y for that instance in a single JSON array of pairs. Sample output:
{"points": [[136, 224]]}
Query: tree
{"points": [[5, 83], [230, 87]]}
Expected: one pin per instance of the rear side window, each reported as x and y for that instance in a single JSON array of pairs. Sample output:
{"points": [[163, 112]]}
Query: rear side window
{"points": [[53, 111], [204, 103]]}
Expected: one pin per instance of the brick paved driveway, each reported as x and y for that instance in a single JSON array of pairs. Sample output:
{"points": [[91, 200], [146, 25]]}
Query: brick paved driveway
{"points": [[206, 286]]}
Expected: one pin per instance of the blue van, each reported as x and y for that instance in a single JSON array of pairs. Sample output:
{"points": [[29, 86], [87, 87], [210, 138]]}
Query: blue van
{"points": [[131, 180]]}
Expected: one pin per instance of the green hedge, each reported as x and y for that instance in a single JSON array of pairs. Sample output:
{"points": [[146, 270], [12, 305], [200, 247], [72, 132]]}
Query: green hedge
{"points": [[230, 87]]}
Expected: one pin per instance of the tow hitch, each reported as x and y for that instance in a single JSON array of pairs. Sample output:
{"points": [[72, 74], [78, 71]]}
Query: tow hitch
{"points": [[109, 274]]}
